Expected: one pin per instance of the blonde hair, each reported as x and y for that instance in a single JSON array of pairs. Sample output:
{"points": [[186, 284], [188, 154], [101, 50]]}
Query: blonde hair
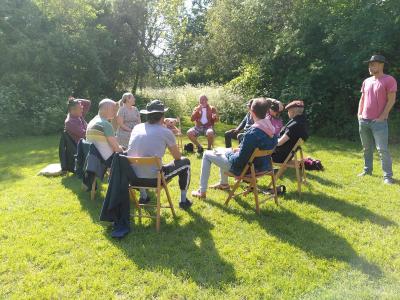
{"points": [[125, 97]]}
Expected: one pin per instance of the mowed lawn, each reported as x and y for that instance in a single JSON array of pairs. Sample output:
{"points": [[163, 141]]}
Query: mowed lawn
{"points": [[339, 240]]}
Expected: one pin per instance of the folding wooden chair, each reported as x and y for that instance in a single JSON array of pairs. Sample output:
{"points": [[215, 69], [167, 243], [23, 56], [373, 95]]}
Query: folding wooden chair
{"points": [[294, 160], [252, 178], [161, 184]]}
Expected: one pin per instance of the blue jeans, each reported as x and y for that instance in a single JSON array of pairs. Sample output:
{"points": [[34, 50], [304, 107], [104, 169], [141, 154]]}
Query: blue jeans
{"points": [[372, 133], [220, 160]]}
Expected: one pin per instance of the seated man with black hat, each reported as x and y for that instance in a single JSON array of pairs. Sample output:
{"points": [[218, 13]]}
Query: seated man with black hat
{"points": [[151, 139], [295, 129]]}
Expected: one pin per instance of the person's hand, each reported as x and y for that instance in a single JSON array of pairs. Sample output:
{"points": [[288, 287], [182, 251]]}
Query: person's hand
{"points": [[214, 116], [359, 117], [380, 119]]}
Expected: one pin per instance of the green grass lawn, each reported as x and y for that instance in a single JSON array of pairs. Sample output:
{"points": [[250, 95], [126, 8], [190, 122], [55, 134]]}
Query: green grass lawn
{"points": [[339, 240]]}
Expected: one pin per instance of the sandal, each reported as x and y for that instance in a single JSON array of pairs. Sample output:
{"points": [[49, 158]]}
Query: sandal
{"points": [[219, 186], [198, 194]]}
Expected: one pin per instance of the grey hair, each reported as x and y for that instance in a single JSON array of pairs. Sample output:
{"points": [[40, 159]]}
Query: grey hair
{"points": [[298, 110], [105, 105]]}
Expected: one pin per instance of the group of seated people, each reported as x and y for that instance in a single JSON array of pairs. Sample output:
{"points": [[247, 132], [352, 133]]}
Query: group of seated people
{"points": [[261, 128]]}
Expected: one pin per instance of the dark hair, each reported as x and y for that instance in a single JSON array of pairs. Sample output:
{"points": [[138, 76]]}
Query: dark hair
{"points": [[72, 103], [154, 117], [260, 107]]}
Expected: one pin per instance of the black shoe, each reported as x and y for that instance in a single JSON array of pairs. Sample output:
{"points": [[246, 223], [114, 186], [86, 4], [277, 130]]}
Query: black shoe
{"points": [[200, 150], [144, 200], [185, 205]]}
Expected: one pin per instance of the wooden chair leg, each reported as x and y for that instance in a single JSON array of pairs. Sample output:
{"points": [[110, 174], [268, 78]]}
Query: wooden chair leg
{"points": [[281, 170], [255, 189], [303, 169], [169, 199], [232, 192], [158, 213], [298, 176], [274, 189]]}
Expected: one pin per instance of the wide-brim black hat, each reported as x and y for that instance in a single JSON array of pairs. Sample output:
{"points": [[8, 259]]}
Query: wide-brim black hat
{"points": [[378, 58], [155, 106]]}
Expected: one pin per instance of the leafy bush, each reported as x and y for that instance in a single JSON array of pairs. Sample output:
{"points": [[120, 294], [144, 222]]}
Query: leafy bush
{"points": [[32, 114], [182, 100]]}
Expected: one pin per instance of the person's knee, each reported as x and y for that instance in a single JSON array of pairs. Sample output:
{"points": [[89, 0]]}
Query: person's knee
{"points": [[210, 133], [190, 133], [185, 161], [207, 154]]}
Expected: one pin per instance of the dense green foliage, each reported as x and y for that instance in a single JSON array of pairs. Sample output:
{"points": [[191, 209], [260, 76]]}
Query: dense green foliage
{"points": [[308, 49], [53, 49], [313, 50], [339, 240]]}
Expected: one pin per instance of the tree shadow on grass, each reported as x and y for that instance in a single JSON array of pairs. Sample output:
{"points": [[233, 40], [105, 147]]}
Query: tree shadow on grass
{"points": [[8, 175], [332, 145], [305, 235], [323, 181], [187, 251], [346, 209]]}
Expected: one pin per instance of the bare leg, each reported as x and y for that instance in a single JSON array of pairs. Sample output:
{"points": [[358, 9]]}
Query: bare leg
{"points": [[210, 139], [193, 139]]}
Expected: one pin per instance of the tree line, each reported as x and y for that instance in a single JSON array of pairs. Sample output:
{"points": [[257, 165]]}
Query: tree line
{"points": [[308, 49]]}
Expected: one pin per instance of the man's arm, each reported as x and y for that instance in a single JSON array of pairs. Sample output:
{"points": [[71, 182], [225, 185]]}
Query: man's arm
{"points": [[283, 139], [214, 114], [360, 107], [196, 113], [86, 106], [391, 97], [176, 154], [242, 124], [112, 141]]}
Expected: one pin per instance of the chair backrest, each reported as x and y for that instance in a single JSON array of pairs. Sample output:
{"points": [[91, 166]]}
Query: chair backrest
{"points": [[257, 153], [145, 161], [295, 148], [260, 153]]}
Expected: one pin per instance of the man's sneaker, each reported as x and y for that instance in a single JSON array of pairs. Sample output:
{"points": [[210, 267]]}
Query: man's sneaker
{"points": [[388, 181], [185, 205], [200, 150], [364, 173], [144, 200]]}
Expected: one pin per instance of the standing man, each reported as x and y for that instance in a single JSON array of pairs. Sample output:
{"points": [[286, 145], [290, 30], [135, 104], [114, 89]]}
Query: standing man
{"points": [[204, 117], [378, 94]]}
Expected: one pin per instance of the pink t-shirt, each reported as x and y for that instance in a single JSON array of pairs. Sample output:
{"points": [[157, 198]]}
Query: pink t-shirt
{"points": [[375, 95]]}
